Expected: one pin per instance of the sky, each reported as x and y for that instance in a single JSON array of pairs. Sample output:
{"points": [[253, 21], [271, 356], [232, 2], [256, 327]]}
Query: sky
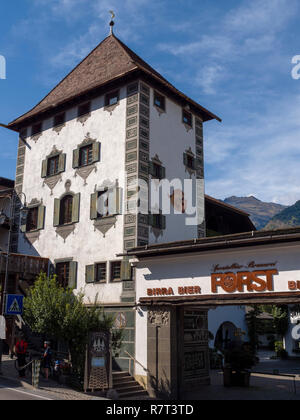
{"points": [[234, 57]]}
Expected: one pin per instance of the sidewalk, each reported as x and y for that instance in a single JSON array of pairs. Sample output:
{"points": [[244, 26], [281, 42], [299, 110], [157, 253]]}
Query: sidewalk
{"points": [[62, 392]]}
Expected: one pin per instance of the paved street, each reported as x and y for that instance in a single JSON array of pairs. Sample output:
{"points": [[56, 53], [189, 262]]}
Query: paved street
{"points": [[10, 391]]}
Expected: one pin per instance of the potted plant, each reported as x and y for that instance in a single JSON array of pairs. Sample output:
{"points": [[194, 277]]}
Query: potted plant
{"points": [[238, 364]]}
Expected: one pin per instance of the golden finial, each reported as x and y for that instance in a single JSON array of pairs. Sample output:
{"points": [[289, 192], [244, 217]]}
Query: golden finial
{"points": [[112, 23]]}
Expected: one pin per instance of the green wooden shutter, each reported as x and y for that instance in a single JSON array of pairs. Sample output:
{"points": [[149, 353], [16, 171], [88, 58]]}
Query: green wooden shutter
{"points": [[90, 274], [75, 158], [73, 275], [94, 204], [44, 168], [114, 201], [56, 215], [163, 222], [96, 152], [62, 162], [126, 270], [76, 208], [41, 217]]}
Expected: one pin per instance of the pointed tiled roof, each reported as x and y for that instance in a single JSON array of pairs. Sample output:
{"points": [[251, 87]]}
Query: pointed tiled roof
{"points": [[110, 60]]}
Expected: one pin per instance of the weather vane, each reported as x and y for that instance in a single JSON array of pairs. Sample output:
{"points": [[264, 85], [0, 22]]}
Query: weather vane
{"points": [[112, 23]]}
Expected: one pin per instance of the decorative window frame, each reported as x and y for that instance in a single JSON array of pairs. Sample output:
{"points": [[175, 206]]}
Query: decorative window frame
{"points": [[65, 230], [52, 180], [187, 126], [118, 280], [58, 127], [91, 273], [33, 235], [85, 171], [159, 109], [36, 135], [73, 270], [190, 154], [82, 118], [156, 161], [111, 108], [105, 223]]}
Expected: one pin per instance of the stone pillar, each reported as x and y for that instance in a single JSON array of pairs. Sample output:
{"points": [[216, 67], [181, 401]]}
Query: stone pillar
{"points": [[162, 352]]}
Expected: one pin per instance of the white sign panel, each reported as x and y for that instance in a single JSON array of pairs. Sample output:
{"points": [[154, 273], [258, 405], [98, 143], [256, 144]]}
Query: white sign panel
{"points": [[237, 272]]}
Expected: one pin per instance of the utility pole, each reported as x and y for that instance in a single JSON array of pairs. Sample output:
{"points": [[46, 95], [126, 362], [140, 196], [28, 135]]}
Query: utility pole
{"points": [[13, 197]]}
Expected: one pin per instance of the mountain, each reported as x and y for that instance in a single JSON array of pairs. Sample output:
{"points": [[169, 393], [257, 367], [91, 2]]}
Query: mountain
{"points": [[289, 217], [260, 212]]}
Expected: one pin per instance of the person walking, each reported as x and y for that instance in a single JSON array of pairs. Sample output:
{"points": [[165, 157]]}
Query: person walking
{"points": [[21, 350], [47, 359]]}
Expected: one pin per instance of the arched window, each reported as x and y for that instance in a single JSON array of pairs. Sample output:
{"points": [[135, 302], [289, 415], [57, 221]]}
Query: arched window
{"points": [[66, 208]]}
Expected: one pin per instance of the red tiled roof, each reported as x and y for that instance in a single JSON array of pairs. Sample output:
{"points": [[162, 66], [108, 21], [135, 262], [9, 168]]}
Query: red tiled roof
{"points": [[110, 60]]}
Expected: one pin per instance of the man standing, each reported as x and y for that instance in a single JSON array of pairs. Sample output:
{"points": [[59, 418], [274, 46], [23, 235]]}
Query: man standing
{"points": [[21, 350], [47, 359]]}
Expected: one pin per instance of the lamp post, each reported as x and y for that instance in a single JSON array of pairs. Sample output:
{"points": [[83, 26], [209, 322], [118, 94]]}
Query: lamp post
{"points": [[3, 217]]}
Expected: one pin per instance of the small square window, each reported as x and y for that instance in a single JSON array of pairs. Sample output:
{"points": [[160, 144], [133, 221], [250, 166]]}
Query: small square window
{"points": [[84, 109], [52, 168], [101, 273], [36, 129], [59, 119], [160, 101], [86, 155], [187, 118], [115, 271], [112, 98]]}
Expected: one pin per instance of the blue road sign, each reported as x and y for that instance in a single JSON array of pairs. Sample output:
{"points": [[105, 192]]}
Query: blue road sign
{"points": [[14, 305]]}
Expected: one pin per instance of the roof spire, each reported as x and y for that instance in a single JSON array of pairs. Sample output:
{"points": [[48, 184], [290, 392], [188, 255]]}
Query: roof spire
{"points": [[112, 22]]}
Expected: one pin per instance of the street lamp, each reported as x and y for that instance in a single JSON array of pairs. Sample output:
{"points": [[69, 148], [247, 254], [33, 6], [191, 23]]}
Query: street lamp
{"points": [[13, 197]]}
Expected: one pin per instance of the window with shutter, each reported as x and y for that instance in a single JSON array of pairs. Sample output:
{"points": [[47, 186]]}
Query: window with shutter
{"points": [[63, 273], [66, 210], [187, 118], [86, 155], [101, 272], [32, 219], [53, 166], [160, 101], [115, 271]]}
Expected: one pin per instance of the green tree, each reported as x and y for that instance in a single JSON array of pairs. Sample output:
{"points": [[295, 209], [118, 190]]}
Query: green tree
{"points": [[58, 313]]}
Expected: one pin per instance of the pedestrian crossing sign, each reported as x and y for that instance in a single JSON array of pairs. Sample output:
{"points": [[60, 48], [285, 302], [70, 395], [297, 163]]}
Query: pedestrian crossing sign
{"points": [[14, 305]]}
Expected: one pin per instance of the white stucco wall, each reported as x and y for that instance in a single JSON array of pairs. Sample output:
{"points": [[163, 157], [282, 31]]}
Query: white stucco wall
{"points": [[85, 245], [169, 140]]}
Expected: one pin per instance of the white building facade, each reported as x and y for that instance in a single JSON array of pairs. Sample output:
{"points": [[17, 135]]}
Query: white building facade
{"points": [[111, 122]]}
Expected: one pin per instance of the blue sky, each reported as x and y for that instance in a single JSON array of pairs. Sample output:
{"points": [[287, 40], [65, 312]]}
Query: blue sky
{"points": [[232, 57]]}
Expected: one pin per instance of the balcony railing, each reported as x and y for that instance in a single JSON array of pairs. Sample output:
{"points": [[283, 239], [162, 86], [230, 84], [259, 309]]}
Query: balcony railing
{"points": [[23, 264]]}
